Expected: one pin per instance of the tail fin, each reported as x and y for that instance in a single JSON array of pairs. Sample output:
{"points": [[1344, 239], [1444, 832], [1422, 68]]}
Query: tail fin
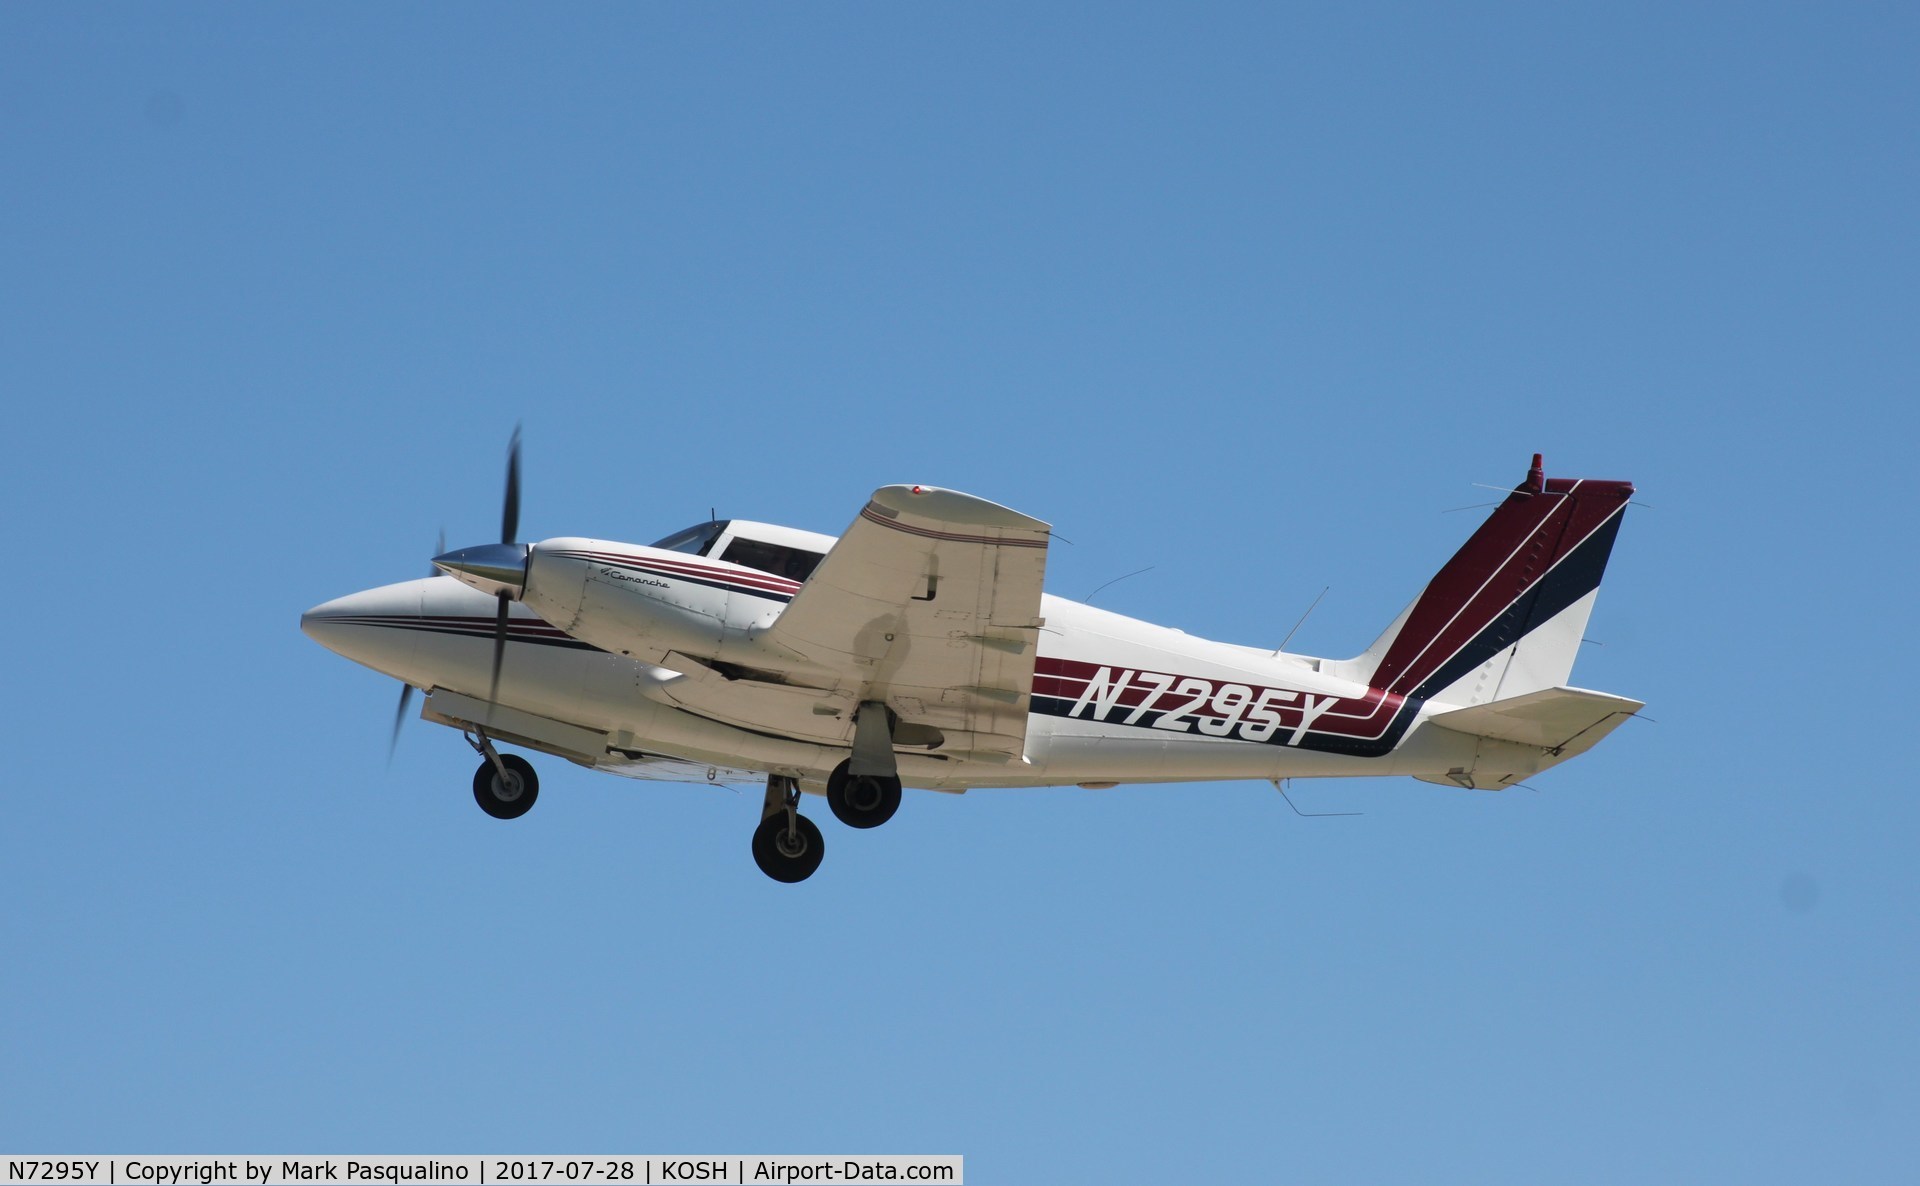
{"points": [[1504, 617]]}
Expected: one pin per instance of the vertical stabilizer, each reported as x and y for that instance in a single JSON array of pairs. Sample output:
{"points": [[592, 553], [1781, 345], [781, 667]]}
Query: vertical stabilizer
{"points": [[1505, 615]]}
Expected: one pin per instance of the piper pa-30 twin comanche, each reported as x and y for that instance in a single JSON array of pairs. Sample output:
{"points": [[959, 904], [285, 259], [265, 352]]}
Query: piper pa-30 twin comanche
{"points": [[917, 649]]}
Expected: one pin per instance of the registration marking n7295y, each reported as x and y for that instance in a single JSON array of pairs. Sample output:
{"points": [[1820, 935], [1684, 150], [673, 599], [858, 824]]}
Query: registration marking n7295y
{"points": [[1188, 704]]}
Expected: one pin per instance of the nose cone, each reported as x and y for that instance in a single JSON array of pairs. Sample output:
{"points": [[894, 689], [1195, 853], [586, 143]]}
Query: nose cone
{"points": [[376, 627], [490, 568]]}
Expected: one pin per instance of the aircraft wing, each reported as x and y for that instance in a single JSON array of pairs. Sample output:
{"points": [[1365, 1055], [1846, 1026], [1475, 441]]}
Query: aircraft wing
{"points": [[931, 603], [660, 768]]}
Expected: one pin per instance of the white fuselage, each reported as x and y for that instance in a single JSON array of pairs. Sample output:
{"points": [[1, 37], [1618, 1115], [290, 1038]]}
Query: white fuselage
{"points": [[634, 652]]}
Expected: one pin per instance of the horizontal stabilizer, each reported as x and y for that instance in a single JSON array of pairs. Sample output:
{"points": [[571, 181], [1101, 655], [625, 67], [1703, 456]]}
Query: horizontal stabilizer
{"points": [[1567, 721]]}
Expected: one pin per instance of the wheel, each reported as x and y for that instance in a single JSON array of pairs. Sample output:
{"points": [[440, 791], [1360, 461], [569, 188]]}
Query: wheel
{"points": [[785, 858], [511, 798], [862, 801]]}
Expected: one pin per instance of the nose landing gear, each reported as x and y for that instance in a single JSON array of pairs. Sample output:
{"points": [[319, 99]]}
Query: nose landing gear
{"points": [[505, 785]]}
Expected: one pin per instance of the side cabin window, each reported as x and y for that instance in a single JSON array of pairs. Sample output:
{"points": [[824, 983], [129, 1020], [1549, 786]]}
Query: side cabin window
{"points": [[695, 540], [791, 563]]}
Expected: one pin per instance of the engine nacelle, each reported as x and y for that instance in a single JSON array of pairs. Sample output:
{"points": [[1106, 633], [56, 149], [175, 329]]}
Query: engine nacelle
{"points": [[635, 600]]}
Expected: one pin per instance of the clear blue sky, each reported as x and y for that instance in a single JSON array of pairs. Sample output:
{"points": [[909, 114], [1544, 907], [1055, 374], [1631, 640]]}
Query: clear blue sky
{"points": [[1249, 294]]}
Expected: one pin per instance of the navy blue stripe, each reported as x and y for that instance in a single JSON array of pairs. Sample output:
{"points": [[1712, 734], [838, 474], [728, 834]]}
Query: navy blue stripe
{"points": [[481, 632]]}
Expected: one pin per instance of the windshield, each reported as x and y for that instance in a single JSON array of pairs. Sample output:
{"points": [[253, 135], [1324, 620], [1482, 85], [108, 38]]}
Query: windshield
{"points": [[695, 540]]}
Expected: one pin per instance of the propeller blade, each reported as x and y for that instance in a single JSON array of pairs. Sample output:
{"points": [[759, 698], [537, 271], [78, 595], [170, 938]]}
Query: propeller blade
{"points": [[399, 719], [499, 646], [439, 549], [510, 514]]}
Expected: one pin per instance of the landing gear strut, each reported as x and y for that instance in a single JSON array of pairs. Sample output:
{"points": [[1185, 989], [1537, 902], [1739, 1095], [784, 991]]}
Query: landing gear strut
{"points": [[787, 846], [505, 785], [864, 790]]}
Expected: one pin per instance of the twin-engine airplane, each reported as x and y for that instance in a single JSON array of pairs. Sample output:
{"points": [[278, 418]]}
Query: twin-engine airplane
{"points": [[917, 649]]}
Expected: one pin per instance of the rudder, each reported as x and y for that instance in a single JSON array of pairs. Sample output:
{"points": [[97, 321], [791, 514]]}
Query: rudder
{"points": [[1505, 615]]}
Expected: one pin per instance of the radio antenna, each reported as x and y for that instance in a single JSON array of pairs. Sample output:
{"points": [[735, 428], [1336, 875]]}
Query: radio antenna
{"points": [[1136, 572], [1281, 649], [1280, 785]]}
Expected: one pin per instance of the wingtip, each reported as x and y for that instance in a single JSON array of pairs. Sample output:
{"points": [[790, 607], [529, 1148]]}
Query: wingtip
{"points": [[954, 507]]}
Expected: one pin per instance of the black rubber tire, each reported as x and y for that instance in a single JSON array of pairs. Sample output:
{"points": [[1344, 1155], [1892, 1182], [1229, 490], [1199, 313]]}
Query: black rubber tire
{"points": [[770, 848], [864, 802], [501, 802]]}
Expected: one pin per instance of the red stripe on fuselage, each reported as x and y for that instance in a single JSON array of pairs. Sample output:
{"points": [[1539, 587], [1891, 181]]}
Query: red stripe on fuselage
{"points": [[750, 578]]}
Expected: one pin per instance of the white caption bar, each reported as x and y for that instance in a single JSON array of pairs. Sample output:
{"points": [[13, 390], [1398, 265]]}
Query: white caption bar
{"points": [[733, 1170]]}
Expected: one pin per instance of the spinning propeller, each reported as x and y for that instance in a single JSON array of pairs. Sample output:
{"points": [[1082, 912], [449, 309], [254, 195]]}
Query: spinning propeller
{"points": [[499, 569], [509, 527], [406, 689]]}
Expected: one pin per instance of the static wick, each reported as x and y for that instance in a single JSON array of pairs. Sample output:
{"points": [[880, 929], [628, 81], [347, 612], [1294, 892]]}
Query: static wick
{"points": [[1281, 649], [1279, 785]]}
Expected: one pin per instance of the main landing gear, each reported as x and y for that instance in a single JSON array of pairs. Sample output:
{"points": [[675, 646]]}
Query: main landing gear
{"points": [[787, 846], [505, 785], [864, 790], [862, 800]]}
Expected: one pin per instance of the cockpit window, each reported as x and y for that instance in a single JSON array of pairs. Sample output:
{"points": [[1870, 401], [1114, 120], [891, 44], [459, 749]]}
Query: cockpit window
{"points": [[695, 540], [791, 563]]}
